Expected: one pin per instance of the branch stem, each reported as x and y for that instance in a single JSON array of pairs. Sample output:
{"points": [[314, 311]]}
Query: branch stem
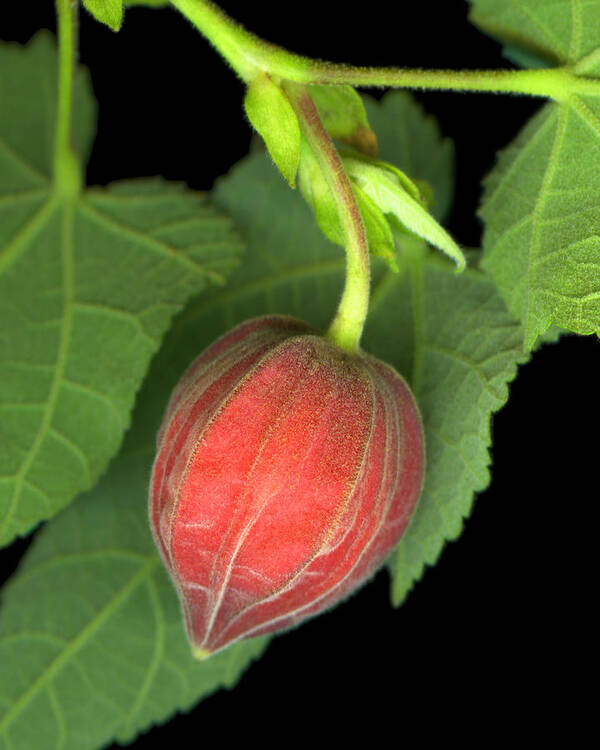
{"points": [[347, 326], [249, 55]]}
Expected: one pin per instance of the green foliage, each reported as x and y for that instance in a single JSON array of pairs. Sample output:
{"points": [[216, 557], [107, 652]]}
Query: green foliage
{"points": [[319, 197], [540, 207], [114, 622], [109, 12], [86, 294], [386, 189], [411, 140], [118, 289], [343, 114], [92, 644], [459, 347], [389, 192], [380, 237], [450, 336], [563, 31], [273, 117]]}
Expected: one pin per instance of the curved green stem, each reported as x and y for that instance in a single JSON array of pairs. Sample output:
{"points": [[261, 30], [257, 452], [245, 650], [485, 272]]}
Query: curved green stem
{"points": [[248, 55], [347, 326], [554, 83], [67, 173]]}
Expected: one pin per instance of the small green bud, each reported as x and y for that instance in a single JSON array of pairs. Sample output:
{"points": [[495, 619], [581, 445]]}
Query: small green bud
{"points": [[273, 117]]}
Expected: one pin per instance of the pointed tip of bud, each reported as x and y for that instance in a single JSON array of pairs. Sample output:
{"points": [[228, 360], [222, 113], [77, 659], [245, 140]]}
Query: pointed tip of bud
{"points": [[201, 654]]}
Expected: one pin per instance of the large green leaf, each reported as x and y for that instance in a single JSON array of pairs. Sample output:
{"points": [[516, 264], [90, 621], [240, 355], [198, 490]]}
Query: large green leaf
{"points": [[86, 294], [540, 207], [91, 640], [459, 348], [92, 644]]}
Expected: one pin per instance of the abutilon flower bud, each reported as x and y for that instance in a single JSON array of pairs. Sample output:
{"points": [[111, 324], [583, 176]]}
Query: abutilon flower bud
{"points": [[286, 471]]}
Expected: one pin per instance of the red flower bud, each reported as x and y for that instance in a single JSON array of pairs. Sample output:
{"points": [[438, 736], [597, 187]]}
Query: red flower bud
{"points": [[286, 471]]}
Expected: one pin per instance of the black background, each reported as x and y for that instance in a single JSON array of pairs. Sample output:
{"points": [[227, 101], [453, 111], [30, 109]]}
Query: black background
{"points": [[500, 631]]}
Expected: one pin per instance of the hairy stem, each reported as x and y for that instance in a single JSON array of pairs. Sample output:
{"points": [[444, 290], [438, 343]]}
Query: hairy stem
{"points": [[67, 177], [555, 83], [249, 55], [347, 326]]}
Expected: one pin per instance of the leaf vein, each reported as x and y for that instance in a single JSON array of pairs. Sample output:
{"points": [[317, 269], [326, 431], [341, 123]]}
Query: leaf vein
{"points": [[67, 261], [24, 165], [453, 354], [162, 248], [157, 655], [83, 459], [26, 232], [77, 643], [98, 395]]}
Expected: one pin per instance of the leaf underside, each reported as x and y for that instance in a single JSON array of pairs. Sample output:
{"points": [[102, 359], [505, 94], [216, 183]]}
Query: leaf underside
{"points": [[540, 206], [87, 291], [91, 611]]}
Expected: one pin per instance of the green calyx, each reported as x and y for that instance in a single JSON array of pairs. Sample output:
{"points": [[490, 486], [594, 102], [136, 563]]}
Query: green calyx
{"points": [[398, 197], [273, 117]]}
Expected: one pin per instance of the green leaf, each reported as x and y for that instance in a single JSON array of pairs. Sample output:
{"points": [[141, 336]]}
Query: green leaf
{"points": [[343, 114], [273, 117], [86, 294], [459, 348], [109, 12], [389, 193], [28, 81], [411, 139], [449, 335], [414, 144], [379, 233], [562, 31], [92, 643], [541, 213], [318, 195]]}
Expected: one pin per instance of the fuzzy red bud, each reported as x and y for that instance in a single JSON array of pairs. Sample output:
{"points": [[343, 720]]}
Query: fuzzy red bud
{"points": [[286, 471]]}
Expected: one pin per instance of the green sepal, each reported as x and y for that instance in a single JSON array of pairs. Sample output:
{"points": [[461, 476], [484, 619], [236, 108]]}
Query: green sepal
{"points": [[398, 196], [317, 194], [109, 12], [412, 187], [379, 233], [343, 114], [273, 117]]}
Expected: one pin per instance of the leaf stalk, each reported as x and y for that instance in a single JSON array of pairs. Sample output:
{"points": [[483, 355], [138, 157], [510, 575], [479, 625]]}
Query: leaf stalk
{"points": [[67, 172], [249, 55], [347, 326]]}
